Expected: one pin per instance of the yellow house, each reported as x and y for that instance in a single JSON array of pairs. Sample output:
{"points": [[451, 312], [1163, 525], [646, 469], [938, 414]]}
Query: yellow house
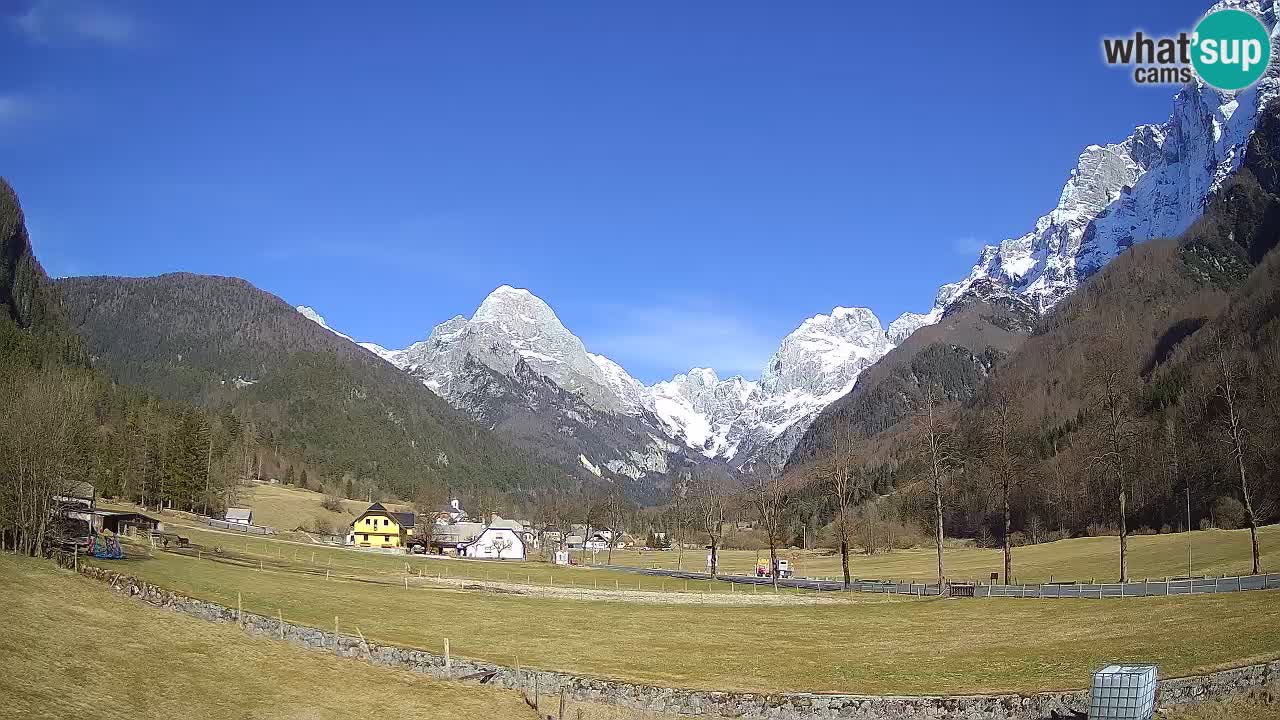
{"points": [[378, 527]]}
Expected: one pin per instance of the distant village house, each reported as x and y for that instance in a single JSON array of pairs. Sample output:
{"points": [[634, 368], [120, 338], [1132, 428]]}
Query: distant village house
{"points": [[378, 527], [499, 540]]}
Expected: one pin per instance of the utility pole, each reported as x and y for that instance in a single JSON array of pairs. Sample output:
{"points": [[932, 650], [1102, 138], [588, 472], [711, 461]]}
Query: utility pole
{"points": [[208, 470], [1188, 530]]}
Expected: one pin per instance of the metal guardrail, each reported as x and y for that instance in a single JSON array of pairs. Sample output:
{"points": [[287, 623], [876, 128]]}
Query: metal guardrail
{"points": [[1145, 588]]}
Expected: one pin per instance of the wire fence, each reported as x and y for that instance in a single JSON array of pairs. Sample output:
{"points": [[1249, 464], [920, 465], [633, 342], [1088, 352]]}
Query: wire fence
{"points": [[1077, 590]]}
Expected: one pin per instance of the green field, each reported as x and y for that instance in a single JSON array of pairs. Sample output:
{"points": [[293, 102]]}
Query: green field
{"points": [[72, 648], [367, 565], [866, 645], [1216, 552], [285, 508]]}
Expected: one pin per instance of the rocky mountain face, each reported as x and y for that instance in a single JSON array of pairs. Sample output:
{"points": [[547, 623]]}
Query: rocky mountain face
{"points": [[515, 367], [21, 277], [514, 354], [1152, 184]]}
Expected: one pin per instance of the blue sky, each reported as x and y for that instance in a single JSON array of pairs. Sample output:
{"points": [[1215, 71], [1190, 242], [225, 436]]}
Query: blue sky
{"points": [[683, 182]]}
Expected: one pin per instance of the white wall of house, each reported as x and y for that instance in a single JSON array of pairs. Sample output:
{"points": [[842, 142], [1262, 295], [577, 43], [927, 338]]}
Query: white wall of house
{"points": [[497, 544]]}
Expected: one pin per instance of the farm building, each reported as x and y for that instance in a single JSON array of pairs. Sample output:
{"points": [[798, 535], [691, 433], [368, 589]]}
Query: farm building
{"points": [[499, 540], [239, 516], [378, 527], [599, 540], [126, 522], [453, 537]]}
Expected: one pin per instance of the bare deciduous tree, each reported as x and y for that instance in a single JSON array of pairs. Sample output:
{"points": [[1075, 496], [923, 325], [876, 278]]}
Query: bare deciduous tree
{"points": [[1004, 453], [710, 498], [1111, 379], [44, 430], [846, 487], [680, 501], [769, 499], [934, 431], [1233, 423], [615, 510]]}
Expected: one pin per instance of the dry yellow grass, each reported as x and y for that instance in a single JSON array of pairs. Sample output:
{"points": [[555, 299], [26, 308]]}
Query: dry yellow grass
{"points": [[284, 508], [1217, 552], [1258, 705], [71, 648], [866, 645]]}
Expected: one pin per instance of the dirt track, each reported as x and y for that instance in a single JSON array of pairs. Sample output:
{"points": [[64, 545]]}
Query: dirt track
{"points": [[740, 598]]}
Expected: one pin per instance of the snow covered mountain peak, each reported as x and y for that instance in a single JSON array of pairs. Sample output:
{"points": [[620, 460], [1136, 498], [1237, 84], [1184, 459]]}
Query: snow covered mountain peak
{"points": [[514, 305], [514, 334], [826, 350], [1154, 183], [315, 317], [736, 419]]}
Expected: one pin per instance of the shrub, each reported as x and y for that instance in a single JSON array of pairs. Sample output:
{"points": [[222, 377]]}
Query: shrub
{"points": [[984, 538], [321, 526], [332, 502], [1229, 513]]}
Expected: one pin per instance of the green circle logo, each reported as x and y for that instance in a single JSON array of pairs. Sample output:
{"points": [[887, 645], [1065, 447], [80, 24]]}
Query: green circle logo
{"points": [[1232, 49]]}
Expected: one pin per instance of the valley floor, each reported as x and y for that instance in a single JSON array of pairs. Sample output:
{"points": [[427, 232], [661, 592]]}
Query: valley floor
{"points": [[1215, 552], [71, 648], [861, 645]]}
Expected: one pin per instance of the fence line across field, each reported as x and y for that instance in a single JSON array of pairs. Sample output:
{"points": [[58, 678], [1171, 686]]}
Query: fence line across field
{"points": [[1090, 590], [1063, 590]]}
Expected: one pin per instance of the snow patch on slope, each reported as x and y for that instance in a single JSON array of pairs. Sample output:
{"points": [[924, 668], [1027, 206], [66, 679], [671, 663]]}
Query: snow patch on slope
{"points": [[315, 317]]}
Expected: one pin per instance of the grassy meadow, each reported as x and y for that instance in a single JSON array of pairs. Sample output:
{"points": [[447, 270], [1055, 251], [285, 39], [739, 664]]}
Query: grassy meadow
{"points": [[72, 648], [868, 644], [391, 567], [1215, 552]]}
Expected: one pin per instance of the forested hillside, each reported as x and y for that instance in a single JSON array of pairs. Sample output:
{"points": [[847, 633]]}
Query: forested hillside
{"points": [[62, 423], [1157, 377], [340, 411]]}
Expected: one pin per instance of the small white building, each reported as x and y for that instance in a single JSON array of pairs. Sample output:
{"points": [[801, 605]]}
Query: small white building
{"points": [[500, 540], [239, 516], [451, 513]]}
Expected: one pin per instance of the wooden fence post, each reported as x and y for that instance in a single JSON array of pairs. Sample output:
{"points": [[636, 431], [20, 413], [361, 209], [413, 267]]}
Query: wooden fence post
{"points": [[448, 662], [562, 702], [280, 614], [239, 610]]}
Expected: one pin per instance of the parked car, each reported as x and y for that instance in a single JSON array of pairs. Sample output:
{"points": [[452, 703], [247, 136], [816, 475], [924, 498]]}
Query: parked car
{"points": [[783, 567]]}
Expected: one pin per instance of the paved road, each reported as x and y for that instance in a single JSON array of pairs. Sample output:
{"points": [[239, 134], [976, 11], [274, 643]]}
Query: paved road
{"points": [[1154, 588]]}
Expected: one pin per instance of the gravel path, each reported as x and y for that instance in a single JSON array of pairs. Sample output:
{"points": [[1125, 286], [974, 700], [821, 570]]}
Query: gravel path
{"points": [[740, 598]]}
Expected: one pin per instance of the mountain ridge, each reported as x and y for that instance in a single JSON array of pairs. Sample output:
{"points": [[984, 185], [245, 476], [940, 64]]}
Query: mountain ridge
{"points": [[719, 419]]}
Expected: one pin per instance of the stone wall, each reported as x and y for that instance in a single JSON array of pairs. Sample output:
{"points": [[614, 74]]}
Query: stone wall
{"points": [[782, 706]]}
